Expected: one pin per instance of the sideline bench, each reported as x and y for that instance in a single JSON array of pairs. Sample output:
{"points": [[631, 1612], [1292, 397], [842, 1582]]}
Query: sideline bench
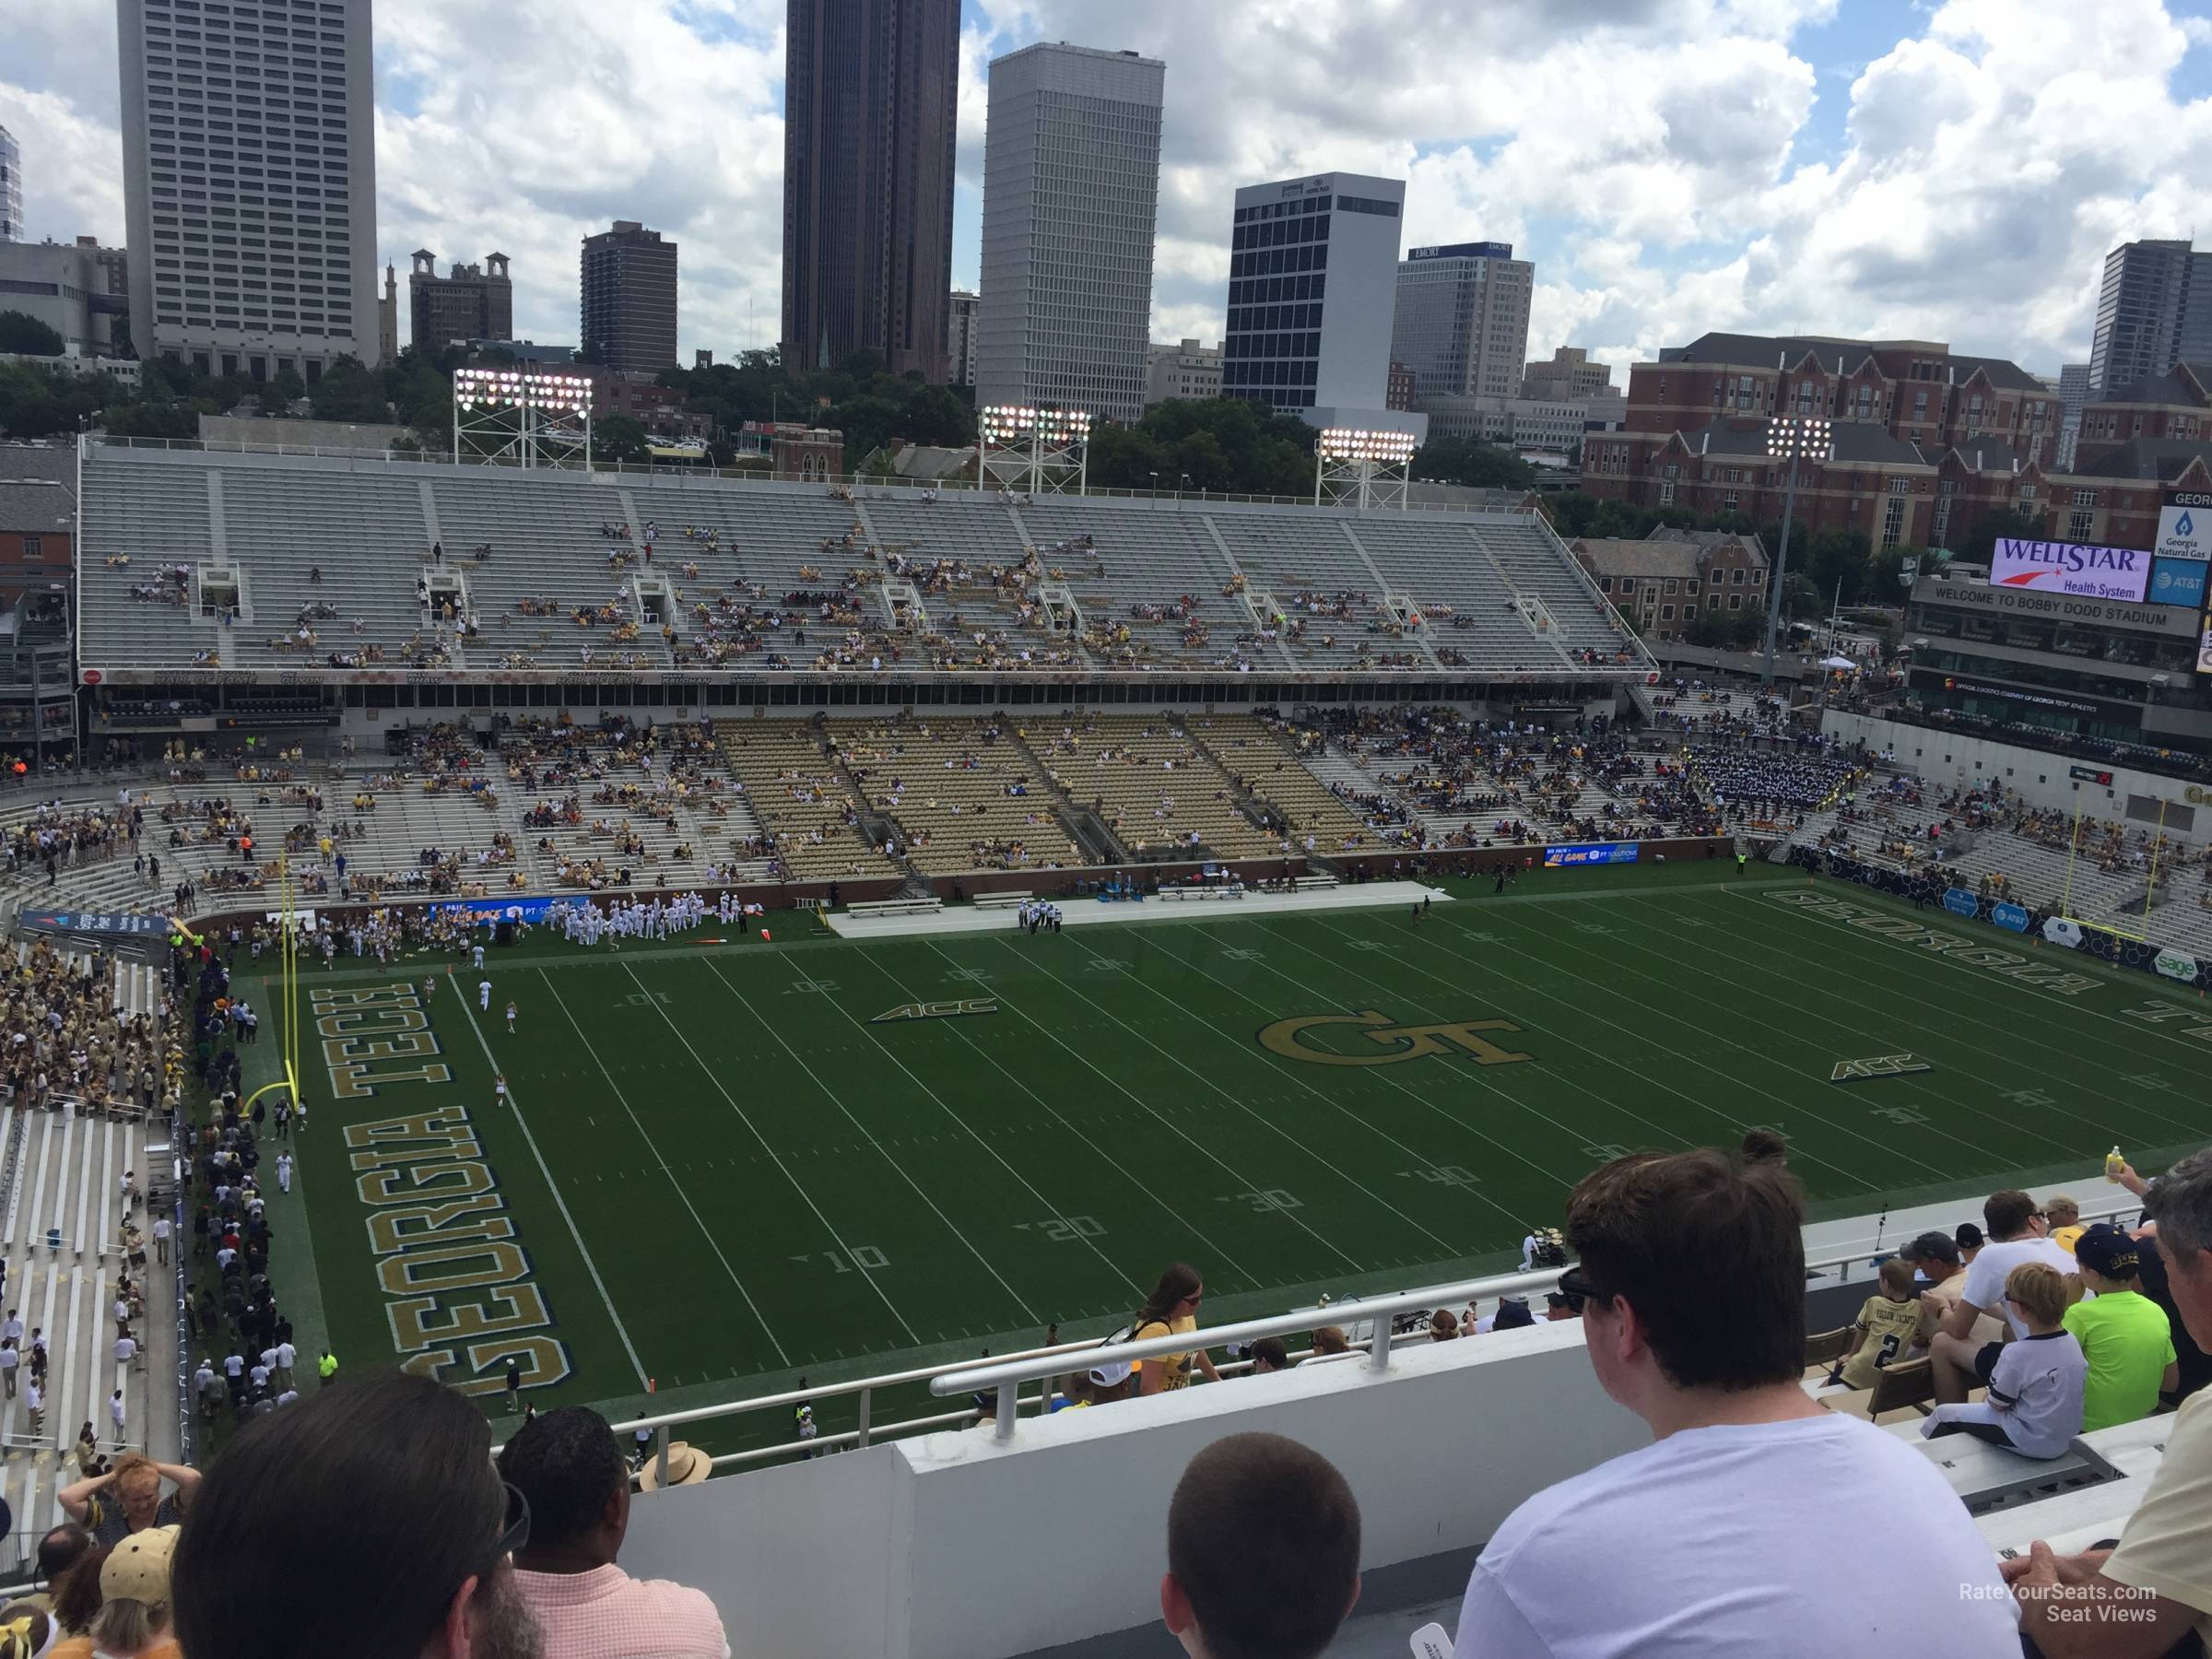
{"points": [[1306, 883], [1009, 900], [895, 907], [1201, 893]]}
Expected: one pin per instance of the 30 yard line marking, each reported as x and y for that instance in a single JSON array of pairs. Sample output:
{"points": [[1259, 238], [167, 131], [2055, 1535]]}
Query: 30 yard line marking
{"points": [[1013, 1007], [1383, 1072], [858, 1265], [514, 1105], [1336, 1106], [766, 1329]]}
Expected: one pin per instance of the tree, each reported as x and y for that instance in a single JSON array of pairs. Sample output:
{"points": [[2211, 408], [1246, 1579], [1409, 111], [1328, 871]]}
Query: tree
{"points": [[287, 387], [349, 392], [1981, 543], [20, 332], [619, 438], [1473, 463]]}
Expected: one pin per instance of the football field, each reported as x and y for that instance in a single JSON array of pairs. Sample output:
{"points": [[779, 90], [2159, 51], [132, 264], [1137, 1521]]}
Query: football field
{"points": [[726, 1166]]}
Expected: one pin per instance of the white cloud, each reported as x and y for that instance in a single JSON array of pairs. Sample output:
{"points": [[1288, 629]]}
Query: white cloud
{"points": [[1664, 160]]}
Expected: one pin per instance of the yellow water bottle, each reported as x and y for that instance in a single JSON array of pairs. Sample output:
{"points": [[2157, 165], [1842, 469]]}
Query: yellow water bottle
{"points": [[2113, 1164]]}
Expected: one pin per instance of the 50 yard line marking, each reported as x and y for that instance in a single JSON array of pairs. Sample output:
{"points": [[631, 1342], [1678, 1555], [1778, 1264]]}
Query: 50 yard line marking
{"points": [[766, 1329], [514, 1105]]}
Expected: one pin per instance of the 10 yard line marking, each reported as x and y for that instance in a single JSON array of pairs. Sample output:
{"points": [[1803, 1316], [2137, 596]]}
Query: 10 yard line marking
{"points": [[514, 1105], [869, 1135], [777, 1159], [767, 1330]]}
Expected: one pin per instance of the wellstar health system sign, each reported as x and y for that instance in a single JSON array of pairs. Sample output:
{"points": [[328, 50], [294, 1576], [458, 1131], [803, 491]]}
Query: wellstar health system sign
{"points": [[2086, 572]]}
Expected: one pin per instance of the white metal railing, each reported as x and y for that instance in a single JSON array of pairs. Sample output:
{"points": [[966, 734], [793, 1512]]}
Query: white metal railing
{"points": [[1005, 1376]]}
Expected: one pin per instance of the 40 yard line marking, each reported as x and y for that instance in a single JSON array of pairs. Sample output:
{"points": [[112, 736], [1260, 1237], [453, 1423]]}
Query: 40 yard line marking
{"points": [[514, 1105], [766, 1329]]}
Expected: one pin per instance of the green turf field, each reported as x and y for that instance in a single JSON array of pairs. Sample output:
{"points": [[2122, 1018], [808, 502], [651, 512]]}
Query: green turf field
{"points": [[722, 1166]]}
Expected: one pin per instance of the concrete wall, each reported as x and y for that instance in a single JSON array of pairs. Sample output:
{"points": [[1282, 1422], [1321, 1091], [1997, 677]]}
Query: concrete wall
{"points": [[953, 1546], [1956, 760]]}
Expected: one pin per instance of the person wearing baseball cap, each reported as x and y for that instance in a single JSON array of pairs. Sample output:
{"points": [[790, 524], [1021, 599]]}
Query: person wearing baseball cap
{"points": [[133, 1621], [2123, 1334]]}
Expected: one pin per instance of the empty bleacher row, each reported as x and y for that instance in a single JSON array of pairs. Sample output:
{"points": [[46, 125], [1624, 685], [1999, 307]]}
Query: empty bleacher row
{"points": [[200, 561]]}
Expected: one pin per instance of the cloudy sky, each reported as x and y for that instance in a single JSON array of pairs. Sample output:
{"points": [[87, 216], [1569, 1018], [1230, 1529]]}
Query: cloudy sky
{"points": [[1948, 171]]}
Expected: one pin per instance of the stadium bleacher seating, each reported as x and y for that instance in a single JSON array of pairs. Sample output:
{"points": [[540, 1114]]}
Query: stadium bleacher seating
{"points": [[324, 554]]}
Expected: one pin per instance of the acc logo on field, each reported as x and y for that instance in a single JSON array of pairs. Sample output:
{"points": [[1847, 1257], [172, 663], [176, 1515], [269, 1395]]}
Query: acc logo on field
{"points": [[1880, 1066], [1402, 1042], [938, 1010]]}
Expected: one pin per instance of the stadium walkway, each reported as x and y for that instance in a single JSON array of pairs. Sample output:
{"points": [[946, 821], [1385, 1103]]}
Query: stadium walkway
{"points": [[1074, 912]]}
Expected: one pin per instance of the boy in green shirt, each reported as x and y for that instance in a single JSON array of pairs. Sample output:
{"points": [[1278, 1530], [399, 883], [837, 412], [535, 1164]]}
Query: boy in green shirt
{"points": [[2123, 1334]]}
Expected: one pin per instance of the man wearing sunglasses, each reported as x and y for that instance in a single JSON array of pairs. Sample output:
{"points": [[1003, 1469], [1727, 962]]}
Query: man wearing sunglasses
{"points": [[1757, 1522], [365, 1522]]}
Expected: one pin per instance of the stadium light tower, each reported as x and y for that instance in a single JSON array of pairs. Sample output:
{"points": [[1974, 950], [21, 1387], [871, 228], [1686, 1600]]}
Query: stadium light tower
{"points": [[514, 418], [1790, 438], [1357, 467], [1033, 448]]}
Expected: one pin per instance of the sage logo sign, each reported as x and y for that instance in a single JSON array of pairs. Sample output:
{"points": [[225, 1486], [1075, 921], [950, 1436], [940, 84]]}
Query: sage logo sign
{"points": [[2185, 526], [2175, 964], [2075, 568]]}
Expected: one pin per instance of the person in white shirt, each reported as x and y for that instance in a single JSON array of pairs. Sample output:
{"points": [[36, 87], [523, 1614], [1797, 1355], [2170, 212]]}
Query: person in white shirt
{"points": [[284, 1171], [1691, 1269], [484, 996], [115, 1414], [2016, 1226], [161, 1239]]}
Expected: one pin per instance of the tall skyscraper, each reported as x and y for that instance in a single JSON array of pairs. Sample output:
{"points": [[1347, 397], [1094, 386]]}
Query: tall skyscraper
{"points": [[249, 154], [1313, 267], [2073, 396], [11, 187], [2153, 311], [960, 338], [387, 316], [871, 90], [629, 297], [471, 302], [1462, 321], [1071, 202]]}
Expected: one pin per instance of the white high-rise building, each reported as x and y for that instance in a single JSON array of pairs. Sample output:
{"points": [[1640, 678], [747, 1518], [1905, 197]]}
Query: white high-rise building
{"points": [[1313, 273], [250, 182], [11, 188], [1462, 321], [1071, 202]]}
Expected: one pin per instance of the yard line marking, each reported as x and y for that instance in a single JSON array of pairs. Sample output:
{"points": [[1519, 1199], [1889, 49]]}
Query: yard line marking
{"points": [[1956, 1042], [777, 1159], [766, 1329], [1008, 1004], [1618, 1064], [1820, 1117], [1066, 1123], [933, 1139], [1488, 1083], [2119, 979], [867, 1134], [1334, 1105], [514, 1105]]}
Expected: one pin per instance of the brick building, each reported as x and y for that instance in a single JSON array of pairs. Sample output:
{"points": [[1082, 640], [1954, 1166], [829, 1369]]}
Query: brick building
{"points": [[1664, 581], [639, 395], [38, 519]]}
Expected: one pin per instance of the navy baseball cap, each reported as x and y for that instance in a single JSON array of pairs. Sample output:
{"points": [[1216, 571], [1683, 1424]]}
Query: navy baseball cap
{"points": [[2105, 1249]]}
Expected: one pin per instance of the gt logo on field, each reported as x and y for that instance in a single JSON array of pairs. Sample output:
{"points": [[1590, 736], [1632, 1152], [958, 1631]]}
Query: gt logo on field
{"points": [[1881, 1065], [1402, 1042], [937, 1010]]}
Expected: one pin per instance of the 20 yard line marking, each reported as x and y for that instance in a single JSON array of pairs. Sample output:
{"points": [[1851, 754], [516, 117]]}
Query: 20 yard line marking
{"points": [[1008, 1004], [514, 1105], [766, 1329]]}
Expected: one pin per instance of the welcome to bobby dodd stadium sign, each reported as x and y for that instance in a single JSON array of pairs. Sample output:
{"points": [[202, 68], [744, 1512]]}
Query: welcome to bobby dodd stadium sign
{"points": [[2087, 572]]}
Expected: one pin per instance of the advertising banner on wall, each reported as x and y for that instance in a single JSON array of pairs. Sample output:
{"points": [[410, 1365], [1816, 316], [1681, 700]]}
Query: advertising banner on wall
{"points": [[2204, 648], [2075, 568], [1590, 852], [2186, 525], [2179, 581]]}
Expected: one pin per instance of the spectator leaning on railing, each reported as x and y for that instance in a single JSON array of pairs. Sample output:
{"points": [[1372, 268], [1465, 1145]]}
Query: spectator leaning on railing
{"points": [[2137, 1600], [1757, 1523]]}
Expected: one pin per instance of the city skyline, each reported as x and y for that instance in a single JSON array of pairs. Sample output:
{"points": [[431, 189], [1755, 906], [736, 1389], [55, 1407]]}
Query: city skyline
{"points": [[1783, 166]]}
